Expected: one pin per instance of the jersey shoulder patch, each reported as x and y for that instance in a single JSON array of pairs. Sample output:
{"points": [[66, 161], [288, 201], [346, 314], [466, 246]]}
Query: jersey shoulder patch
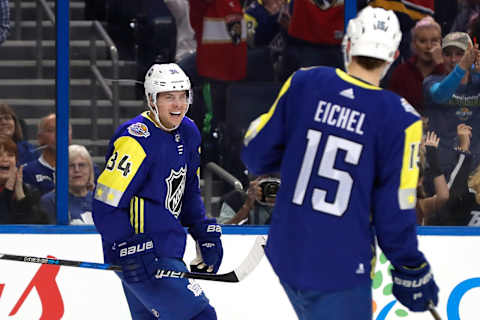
{"points": [[138, 129]]}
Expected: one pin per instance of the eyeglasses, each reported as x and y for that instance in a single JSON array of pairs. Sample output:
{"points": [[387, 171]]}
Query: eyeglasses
{"points": [[78, 166]]}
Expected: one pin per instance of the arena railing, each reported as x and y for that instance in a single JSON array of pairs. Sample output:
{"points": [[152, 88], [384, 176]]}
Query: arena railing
{"points": [[62, 125], [42, 6], [210, 169], [113, 93]]}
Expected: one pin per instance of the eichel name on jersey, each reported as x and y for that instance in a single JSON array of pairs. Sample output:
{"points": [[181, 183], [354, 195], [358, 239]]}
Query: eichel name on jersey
{"points": [[150, 185], [340, 117], [347, 152]]}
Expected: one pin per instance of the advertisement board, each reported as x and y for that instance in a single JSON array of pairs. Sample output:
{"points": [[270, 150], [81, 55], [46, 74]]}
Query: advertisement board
{"points": [[33, 291]]}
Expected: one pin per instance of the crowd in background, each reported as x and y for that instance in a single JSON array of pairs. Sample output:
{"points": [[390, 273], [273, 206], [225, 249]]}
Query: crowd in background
{"points": [[221, 44]]}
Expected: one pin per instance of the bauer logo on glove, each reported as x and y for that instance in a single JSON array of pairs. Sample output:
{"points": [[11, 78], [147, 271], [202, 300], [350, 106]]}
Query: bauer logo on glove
{"points": [[415, 288], [134, 249], [214, 228], [413, 283]]}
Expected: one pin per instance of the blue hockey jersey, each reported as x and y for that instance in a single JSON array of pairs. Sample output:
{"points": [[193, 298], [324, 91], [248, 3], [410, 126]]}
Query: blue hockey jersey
{"points": [[150, 185], [347, 152], [39, 174]]}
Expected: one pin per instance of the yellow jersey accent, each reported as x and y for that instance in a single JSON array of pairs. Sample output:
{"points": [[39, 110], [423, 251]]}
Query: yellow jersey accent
{"points": [[262, 120], [120, 169], [407, 194], [348, 78], [137, 214]]}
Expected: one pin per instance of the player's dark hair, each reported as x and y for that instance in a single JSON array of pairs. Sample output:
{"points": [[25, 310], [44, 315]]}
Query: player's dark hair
{"points": [[369, 63]]}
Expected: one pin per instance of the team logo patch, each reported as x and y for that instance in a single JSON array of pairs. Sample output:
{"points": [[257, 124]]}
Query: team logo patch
{"points": [[175, 188], [138, 130], [194, 287]]}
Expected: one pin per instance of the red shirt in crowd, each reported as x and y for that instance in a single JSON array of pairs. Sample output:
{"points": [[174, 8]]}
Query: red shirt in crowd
{"points": [[407, 81]]}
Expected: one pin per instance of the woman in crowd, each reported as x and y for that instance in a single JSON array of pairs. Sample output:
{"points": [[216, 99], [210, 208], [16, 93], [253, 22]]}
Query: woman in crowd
{"points": [[80, 188], [18, 203], [11, 127], [427, 206], [463, 206], [406, 79]]}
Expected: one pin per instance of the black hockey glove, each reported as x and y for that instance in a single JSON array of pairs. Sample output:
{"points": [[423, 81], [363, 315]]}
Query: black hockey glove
{"points": [[415, 287], [433, 161]]}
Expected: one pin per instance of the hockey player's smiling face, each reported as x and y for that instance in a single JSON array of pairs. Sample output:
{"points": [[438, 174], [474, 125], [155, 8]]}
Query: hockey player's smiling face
{"points": [[172, 106]]}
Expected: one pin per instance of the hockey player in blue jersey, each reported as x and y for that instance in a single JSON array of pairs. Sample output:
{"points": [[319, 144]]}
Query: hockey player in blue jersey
{"points": [[146, 195], [347, 152]]}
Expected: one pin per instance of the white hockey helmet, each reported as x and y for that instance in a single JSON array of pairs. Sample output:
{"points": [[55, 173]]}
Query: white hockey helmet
{"points": [[375, 32], [163, 78]]}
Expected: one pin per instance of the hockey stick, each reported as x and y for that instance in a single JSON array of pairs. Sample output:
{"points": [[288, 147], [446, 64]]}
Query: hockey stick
{"points": [[238, 274], [433, 311]]}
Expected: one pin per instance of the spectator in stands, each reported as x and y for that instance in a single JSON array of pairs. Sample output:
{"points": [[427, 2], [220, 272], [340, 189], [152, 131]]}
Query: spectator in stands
{"points": [[466, 12], [267, 26], [463, 206], [454, 98], [255, 207], [18, 202], [407, 78], [220, 59], [11, 127], [221, 55], [408, 13], [315, 33], [426, 206], [80, 188], [186, 44], [4, 20], [40, 173]]}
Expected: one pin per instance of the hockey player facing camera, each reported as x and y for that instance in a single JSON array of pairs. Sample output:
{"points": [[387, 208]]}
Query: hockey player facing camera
{"points": [[146, 195], [347, 151]]}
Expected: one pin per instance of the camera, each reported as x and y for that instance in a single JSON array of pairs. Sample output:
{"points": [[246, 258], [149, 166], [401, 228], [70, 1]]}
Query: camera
{"points": [[269, 187]]}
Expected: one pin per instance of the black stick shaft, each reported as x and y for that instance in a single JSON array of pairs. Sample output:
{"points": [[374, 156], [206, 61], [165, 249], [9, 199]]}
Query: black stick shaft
{"points": [[433, 311], [161, 273]]}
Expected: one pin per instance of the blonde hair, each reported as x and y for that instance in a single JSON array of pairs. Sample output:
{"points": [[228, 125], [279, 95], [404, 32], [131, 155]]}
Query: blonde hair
{"points": [[474, 183], [425, 22], [76, 150]]}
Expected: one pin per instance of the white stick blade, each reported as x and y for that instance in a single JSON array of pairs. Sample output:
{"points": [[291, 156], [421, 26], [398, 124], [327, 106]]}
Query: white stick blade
{"points": [[253, 259]]}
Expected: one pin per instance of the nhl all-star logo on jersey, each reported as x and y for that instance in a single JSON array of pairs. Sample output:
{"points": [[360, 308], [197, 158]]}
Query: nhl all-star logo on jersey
{"points": [[138, 130], [175, 188]]}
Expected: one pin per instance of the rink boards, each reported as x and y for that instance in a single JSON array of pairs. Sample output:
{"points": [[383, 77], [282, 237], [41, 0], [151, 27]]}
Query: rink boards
{"points": [[32, 291]]}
